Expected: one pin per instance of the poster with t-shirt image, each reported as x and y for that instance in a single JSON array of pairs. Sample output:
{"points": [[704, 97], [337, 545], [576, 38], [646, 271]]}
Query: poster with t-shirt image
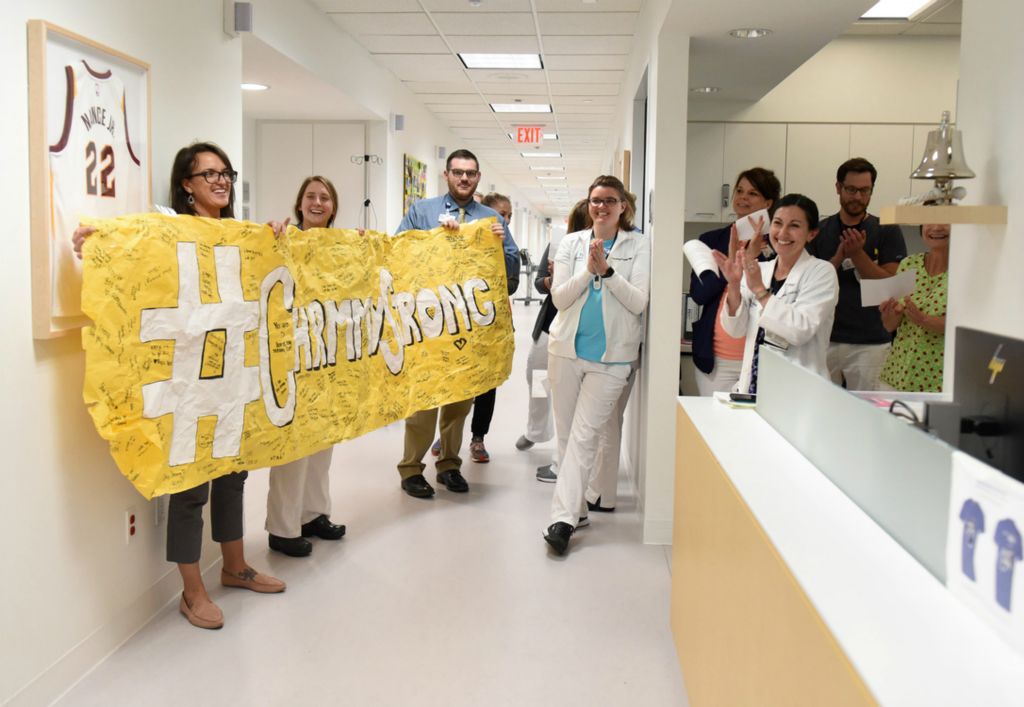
{"points": [[984, 553]]}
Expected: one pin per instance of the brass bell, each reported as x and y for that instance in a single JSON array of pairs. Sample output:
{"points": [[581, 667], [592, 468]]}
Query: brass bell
{"points": [[943, 160]]}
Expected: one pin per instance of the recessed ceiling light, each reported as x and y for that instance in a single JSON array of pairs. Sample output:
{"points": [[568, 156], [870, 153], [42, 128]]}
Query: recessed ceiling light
{"points": [[749, 33], [562, 178], [541, 154], [501, 61], [705, 89], [254, 87], [521, 107], [547, 169], [895, 9]]}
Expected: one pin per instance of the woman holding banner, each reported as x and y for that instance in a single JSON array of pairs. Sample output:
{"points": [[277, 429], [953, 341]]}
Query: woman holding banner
{"points": [[299, 501], [202, 184]]}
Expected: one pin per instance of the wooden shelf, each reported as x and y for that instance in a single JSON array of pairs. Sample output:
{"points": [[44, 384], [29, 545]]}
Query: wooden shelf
{"points": [[917, 214]]}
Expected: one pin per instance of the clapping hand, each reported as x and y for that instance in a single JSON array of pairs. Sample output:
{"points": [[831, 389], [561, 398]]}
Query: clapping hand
{"points": [[852, 240], [892, 314], [597, 263]]}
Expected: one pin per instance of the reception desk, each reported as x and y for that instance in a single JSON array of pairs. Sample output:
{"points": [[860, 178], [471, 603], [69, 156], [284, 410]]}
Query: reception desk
{"points": [[786, 592]]}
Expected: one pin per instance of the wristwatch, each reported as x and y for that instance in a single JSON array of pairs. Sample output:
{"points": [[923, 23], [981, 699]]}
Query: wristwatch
{"points": [[608, 273]]}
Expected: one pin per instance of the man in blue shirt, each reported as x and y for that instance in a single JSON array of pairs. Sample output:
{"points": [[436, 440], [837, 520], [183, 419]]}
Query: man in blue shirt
{"points": [[462, 172]]}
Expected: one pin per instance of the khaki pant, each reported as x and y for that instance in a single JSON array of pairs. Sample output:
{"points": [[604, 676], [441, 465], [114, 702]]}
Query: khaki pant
{"points": [[419, 435]]}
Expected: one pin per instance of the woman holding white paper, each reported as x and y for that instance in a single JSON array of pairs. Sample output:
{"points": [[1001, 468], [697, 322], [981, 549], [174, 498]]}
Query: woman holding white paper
{"points": [[717, 357], [915, 361], [787, 303]]}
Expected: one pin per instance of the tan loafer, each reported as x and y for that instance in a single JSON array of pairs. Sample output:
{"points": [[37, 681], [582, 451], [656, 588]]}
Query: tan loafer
{"points": [[204, 614], [252, 580]]}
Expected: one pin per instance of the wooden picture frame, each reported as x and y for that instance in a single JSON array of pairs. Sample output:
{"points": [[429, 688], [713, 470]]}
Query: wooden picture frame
{"points": [[89, 155]]}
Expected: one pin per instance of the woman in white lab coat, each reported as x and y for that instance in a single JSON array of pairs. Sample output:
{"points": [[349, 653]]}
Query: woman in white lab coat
{"points": [[787, 303]]}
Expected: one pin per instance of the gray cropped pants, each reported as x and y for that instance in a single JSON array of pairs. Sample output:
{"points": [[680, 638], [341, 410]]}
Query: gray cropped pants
{"points": [[185, 516]]}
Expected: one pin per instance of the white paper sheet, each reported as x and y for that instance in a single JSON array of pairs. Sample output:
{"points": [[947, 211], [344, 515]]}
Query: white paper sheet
{"points": [[874, 292], [700, 257], [745, 225], [983, 545]]}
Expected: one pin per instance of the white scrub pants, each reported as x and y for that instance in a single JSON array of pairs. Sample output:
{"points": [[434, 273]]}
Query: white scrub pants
{"points": [[604, 484], [723, 377], [299, 492], [584, 397], [859, 365], [538, 422]]}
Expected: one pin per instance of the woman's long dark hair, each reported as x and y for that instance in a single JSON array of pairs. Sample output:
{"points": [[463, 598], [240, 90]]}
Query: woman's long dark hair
{"points": [[184, 165], [804, 203]]}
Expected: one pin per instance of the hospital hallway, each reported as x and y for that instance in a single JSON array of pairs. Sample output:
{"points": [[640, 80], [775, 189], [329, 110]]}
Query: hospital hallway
{"points": [[452, 601]]}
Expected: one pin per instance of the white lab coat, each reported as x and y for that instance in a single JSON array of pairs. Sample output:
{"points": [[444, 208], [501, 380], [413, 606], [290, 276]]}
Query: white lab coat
{"points": [[797, 321]]}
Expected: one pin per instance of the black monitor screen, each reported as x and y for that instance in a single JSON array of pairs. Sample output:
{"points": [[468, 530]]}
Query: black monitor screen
{"points": [[988, 387]]}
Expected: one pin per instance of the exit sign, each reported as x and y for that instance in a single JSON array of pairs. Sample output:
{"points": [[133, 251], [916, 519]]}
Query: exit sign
{"points": [[529, 134]]}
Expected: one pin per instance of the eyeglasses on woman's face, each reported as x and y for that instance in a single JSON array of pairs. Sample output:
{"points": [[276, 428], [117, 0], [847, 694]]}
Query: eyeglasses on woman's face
{"points": [[212, 176], [610, 201]]}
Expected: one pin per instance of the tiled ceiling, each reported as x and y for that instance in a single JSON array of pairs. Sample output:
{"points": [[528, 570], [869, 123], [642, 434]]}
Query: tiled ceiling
{"points": [[584, 47]]}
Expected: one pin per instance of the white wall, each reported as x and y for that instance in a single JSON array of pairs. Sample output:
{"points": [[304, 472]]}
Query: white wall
{"points": [[856, 80], [985, 264], [72, 588]]}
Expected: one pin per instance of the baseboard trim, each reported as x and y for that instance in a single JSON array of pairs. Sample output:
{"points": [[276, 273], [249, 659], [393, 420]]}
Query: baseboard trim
{"points": [[71, 668], [657, 532]]}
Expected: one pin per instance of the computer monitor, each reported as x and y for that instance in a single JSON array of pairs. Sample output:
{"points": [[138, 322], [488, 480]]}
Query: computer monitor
{"points": [[988, 389]]}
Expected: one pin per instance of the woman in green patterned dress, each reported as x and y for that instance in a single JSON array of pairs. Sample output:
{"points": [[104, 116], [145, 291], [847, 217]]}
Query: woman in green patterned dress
{"points": [[915, 361]]}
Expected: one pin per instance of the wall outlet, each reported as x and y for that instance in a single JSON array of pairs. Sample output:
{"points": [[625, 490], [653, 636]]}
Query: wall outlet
{"points": [[130, 526]]}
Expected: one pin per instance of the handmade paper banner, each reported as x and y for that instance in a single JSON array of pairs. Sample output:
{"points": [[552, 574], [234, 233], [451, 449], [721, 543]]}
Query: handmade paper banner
{"points": [[216, 347]]}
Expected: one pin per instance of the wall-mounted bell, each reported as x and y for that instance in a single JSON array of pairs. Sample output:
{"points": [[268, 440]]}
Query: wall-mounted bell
{"points": [[943, 160]]}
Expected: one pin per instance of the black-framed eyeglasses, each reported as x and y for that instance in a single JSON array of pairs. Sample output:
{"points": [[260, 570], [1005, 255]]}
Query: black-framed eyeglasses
{"points": [[610, 201], [852, 190], [460, 173], [212, 176]]}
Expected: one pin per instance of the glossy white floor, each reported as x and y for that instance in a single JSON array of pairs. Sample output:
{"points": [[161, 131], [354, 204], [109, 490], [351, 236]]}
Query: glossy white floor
{"points": [[451, 601]]}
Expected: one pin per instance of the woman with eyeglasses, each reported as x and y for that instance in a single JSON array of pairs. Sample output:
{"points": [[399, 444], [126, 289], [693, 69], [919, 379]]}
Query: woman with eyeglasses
{"points": [[600, 287], [787, 303], [718, 357], [202, 184], [299, 500]]}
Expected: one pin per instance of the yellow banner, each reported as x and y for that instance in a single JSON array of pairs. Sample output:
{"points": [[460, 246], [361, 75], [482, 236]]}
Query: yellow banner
{"points": [[216, 347]]}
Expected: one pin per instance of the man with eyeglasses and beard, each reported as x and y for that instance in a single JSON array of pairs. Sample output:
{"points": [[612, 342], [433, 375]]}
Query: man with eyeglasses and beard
{"points": [[860, 248], [462, 172]]}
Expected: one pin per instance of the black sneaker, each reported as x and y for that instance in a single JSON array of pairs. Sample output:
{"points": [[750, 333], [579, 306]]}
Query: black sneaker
{"points": [[323, 528], [597, 507], [557, 536]]}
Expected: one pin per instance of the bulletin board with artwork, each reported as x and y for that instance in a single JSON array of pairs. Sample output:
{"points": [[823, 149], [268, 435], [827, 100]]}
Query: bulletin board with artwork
{"points": [[415, 184], [89, 155]]}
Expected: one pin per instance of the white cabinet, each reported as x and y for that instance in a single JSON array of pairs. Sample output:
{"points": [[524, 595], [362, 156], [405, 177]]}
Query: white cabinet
{"points": [[889, 148], [288, 152], [752, 145], [813, 153], [705, 143]]}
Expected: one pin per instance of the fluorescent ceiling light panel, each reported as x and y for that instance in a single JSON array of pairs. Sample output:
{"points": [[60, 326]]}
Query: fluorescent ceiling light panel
{"points": [[547, 169], [895, 9], [254, 87], [541, 154], [562, 178], [501, 61], [521, 107]]}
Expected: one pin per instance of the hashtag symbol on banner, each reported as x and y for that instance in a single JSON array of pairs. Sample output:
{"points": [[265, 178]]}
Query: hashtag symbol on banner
{"points": [[186, 394]]}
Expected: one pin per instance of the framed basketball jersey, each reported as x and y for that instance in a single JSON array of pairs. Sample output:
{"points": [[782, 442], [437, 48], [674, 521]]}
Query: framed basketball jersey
{"points": [[89, 156]]}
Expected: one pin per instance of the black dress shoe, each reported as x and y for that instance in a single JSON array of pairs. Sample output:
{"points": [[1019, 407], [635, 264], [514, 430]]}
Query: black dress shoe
{"points": [[296, 547], [558, 535], [323, 528], [417, 487], [596, 506], [453, 480]]}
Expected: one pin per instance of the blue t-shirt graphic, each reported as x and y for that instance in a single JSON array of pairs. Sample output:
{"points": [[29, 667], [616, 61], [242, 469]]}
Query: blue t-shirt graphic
{"points": [[1007, 539], [974, 525]]}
